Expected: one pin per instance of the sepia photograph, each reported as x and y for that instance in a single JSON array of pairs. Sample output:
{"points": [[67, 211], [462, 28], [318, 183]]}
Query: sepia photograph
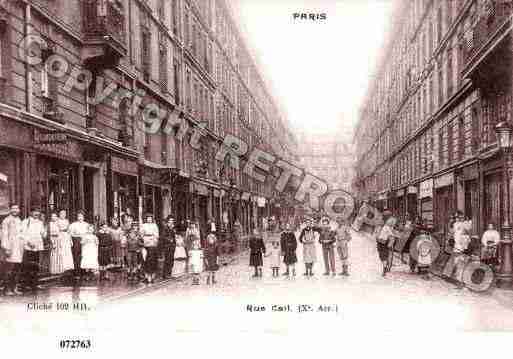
{"points": [[249, 178]]}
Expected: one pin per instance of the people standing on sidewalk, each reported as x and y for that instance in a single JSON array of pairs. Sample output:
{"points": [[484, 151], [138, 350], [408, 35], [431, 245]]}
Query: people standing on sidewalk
{"points": [[211, 257], [308, 237], [288, 244], [116, 234], [343, 237], [384, 239], [65, 242], [150, 235], [196, 260], [327, 241], [77, 230], [12, 244], [191, 235], [56, 247], [33, 232], [461, 242], [167, 245], [105, 249], [256, 252]]}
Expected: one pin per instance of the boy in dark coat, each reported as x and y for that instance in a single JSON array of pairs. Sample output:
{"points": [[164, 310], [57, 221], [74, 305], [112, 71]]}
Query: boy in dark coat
{"points": [[256, 251], [327, 240], [288, 244], [211, 255]]}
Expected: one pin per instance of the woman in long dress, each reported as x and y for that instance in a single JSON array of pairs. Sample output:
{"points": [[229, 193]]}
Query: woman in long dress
{"points": [[65, 242], [55, 250], [150, 234], [115, 232], [308, 238]]}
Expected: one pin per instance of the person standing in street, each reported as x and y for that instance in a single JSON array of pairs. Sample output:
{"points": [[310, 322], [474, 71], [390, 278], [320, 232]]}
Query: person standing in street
{"points": [[343, 236], [65, 242], [105, 244], [256, 252], [489, 244], [56, 248], [150, 235], [33, 231], [385, 237], [308, 237], [77, 230], [288, 244], [211, 257], [116, 233], [274, 254], [12, 244], [327, 240], [167, 244]]}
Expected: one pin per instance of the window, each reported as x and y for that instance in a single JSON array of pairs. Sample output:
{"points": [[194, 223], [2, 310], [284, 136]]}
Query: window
{"points": [[163, 66], [439, 25], [440, 84], [449, 12], [186, 25], [450, 143], [161, 10], [450, 74], [176, 79], [175, 19], [146, 53], [461, 138], [476, 140], [188, 100]]}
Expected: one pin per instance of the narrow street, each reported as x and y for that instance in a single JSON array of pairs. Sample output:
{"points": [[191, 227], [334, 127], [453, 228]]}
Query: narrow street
{"points": [[364, 301]]}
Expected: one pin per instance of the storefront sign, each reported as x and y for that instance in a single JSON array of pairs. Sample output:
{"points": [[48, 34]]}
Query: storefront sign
{"points": [[445, 180], [426, 189], [42, 138], [470, 173], [68, 149], [400, 193], [125, 166], [412, 190]]}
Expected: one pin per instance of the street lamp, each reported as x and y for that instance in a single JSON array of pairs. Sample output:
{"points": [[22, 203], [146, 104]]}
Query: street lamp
{"points": [[505, 274]]}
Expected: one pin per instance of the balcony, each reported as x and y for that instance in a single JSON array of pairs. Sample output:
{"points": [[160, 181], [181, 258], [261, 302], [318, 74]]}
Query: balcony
{"points": [[104, 33], [491, 29]]}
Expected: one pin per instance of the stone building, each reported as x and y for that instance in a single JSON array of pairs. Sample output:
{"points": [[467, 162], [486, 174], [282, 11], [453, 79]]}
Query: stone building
{"points": [[426, 141], [88, 109]]}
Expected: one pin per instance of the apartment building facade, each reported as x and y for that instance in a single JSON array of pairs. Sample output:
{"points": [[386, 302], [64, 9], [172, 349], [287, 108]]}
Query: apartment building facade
{"points": [[426, 141], [185, 58]]}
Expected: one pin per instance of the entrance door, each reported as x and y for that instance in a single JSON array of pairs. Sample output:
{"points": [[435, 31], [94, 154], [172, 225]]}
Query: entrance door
{"points": [[62, 190], [472, 203], [89, 195], [444, 208], [493, 199]]}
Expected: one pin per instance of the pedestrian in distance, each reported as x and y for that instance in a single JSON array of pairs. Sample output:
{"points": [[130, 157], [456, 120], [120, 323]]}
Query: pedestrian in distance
{"points": [[327, 241], [77, 230], [211, 257], [134, 244], [288, 245], [196, 261], [33, 232], [385, 237], [274, 254], [343, 237], [12, 245], [89, 257], [150, 234], [105, 245], [309, 235], [167, 246], [256, 252]]}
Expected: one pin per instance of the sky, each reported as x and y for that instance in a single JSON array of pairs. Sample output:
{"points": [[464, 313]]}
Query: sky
{"points": [[319, 70]]}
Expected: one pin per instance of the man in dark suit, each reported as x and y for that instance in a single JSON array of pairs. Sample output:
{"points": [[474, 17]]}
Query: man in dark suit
{"points": [[167, 245]]}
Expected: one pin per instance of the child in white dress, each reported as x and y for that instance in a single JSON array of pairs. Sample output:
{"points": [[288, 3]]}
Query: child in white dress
{"points": [[90, 252], [275, 257], [196, 261]]}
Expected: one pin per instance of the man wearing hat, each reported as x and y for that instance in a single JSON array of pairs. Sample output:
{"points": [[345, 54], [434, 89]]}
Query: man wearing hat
{"points": [[167, 244], [327, 240], [12, 244], [33, 232]]}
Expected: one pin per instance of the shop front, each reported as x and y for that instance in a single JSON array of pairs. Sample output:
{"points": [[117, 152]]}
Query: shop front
{"points": [[156, 191], [444, 202], [122, 188], [468, 194], [200, 200], [426, 202], [411, 201]]}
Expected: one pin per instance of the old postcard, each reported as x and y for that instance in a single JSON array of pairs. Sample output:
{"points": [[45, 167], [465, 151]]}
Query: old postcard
{"points": [[246, 177]]}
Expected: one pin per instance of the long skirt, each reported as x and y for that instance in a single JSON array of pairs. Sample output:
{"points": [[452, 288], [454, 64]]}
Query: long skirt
{"points": [[382, 251], [256, 260], [104, 255], [309, 253], [117, 254], [56, 258], [151, 262], [66, 253]]}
